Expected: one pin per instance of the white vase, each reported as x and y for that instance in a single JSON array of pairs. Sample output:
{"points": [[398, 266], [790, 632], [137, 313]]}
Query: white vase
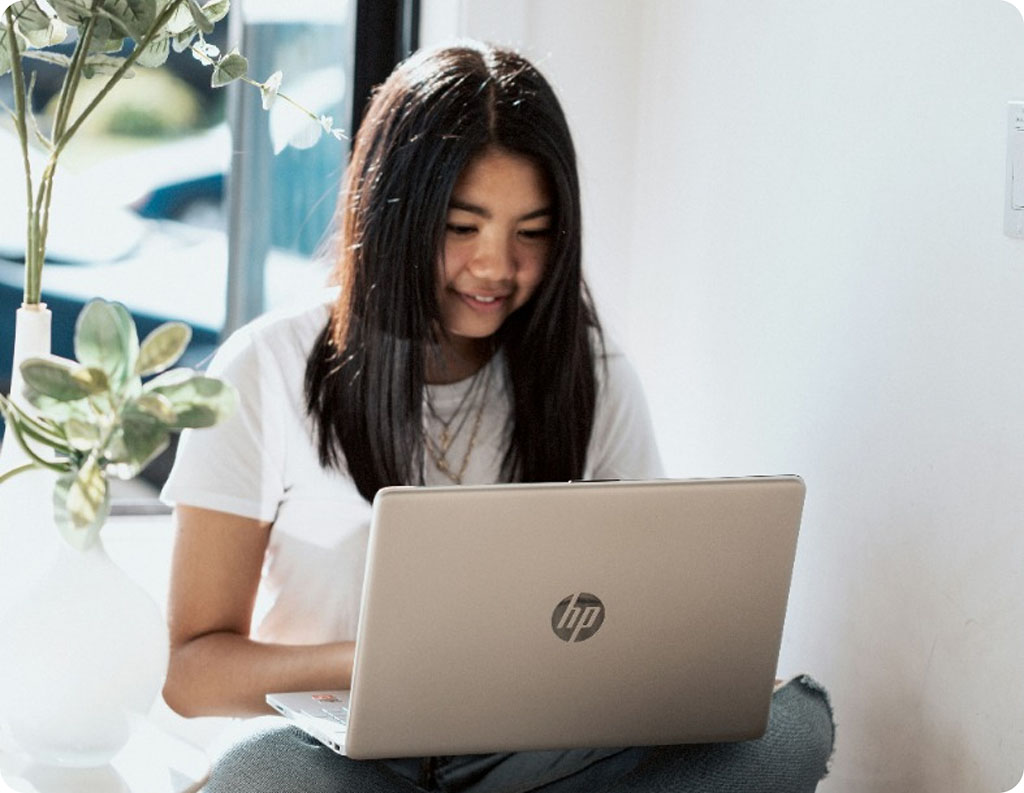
{"points": [[82, 653], [28, 536]]}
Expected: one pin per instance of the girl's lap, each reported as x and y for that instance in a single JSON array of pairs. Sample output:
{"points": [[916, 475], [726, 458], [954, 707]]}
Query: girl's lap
{"points": [[791, 756]]}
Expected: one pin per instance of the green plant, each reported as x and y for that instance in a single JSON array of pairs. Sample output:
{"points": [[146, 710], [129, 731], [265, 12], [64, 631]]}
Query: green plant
{"points": [[30, 28], [100, 418]]}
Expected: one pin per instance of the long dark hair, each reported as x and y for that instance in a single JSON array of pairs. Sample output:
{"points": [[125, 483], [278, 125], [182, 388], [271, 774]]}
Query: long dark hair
{"points": [[366, 373]]}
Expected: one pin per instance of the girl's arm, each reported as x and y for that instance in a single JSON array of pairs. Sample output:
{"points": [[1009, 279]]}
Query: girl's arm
{"points": [[215, 668]]}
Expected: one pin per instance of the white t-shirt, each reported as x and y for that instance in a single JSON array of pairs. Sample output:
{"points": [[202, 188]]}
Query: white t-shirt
{"points": [[262, 463]]}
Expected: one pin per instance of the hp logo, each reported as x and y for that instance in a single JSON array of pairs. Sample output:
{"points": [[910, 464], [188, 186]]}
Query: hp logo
{"points": [[577, 617]]}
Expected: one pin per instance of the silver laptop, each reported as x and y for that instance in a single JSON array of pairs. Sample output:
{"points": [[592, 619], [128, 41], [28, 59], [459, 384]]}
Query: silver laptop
{"points": [[593, 614]]}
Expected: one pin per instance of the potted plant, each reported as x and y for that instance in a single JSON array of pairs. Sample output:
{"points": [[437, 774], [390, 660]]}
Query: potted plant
{"points": [[99, 417], [84, 632], [114, 37], [73, 424]]}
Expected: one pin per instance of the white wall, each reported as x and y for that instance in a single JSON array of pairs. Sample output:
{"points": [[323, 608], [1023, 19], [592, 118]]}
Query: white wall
{"points": [[794, 222]]}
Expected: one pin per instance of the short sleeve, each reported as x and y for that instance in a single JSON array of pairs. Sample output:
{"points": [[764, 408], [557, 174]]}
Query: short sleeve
{"points": [[622, 444], [236, 466]]}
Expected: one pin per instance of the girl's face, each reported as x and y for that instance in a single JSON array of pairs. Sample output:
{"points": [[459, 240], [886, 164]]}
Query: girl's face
{"points": [[496, 245]]}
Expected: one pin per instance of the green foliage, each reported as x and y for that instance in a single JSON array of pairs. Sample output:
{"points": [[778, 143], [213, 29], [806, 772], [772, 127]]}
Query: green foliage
{"points": [[29, 27], [154, 27], [99, 415]]}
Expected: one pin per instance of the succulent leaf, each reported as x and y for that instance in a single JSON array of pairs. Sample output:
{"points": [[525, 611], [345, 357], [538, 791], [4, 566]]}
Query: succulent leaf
{"points": [[143, 437], [197, 400], [161, 348], [158, 407], [61, 379], [81, 434], [105, 338], [81, 503]]}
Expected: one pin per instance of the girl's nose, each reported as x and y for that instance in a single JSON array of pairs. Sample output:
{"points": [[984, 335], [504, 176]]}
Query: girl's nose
{"points": [[493, 261]]}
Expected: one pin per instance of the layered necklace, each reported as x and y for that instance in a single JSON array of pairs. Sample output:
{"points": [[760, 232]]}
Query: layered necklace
{"points": [[472, 403]]}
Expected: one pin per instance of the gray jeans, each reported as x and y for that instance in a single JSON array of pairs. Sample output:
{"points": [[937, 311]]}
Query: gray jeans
{"points": [[791, 757]]}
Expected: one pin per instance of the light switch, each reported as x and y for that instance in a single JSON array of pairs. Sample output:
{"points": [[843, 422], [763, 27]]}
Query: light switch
{"points": [[1013, 223], [1017, 179]]}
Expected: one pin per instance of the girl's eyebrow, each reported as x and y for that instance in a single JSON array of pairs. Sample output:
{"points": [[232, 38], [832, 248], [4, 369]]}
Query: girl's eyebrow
{"points": [[485, 213]]}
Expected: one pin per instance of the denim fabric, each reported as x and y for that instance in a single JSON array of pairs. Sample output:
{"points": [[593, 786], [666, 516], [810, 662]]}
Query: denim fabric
{"points": [[791, 757]]}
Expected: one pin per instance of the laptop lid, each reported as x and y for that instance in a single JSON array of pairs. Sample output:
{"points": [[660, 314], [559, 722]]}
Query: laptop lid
{"points": [[543, 616]]}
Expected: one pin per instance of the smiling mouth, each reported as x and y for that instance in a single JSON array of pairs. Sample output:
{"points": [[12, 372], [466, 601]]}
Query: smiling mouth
{"points": [[483, 300], [484, 305]]}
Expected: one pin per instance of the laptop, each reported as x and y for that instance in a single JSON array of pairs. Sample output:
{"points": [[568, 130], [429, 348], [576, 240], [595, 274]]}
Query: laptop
{"points": [[552, 616]]}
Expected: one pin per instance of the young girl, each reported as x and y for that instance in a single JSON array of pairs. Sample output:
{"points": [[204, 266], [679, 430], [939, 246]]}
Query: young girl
{"points": [[459, 346]]}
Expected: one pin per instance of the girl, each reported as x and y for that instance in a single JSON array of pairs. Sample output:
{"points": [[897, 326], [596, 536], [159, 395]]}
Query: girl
{"points": [[460, 346]]}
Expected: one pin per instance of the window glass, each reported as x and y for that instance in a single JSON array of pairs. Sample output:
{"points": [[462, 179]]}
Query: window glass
{"points": [[153, 196]]}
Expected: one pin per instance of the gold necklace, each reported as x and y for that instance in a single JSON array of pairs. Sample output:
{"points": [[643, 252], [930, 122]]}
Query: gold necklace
{"points": [[439, 451], [447, 436]]}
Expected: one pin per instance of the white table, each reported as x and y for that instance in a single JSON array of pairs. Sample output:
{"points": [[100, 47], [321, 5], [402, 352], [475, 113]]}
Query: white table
{"points": [[153, 761]]}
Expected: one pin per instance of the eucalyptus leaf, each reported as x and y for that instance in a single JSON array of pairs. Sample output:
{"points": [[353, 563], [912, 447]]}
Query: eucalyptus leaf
{"points": [[38, 24], [5, 47], [62, 379], [103, 30], [202, 21], [181, 41], [81, 503], [73, 12], [110, 44], [180, 21], [161, 348], [56, 58], [216, 10], [106, 338], [155, 53], [135, 16], [104, 64], [229, 68]]}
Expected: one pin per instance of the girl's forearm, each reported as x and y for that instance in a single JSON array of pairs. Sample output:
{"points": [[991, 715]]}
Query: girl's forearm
{"points": [[225, 674]]}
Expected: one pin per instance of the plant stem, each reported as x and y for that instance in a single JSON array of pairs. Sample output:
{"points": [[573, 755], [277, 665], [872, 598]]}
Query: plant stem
{"points": [[68, 89], [40, 218], [14, 471], [202, 56], [155, 28], [57, 444], [32, 268], [53, 466], [72, 77], [14, 415]]}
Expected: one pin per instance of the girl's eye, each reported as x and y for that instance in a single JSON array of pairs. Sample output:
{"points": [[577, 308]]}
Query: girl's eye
{"points": [[459, 229], [535, 234]]}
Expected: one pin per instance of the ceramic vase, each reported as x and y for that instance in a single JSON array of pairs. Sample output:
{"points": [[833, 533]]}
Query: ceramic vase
{"points": [[82, 647], [28, 536], [84, 651]]}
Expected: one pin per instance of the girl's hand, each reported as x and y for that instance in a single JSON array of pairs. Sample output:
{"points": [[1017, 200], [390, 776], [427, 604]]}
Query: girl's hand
{"points": [[215, 668]]}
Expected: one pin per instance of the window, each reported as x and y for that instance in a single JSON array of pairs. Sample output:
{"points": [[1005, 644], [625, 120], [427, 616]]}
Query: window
{"points": [[158, 207]]}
